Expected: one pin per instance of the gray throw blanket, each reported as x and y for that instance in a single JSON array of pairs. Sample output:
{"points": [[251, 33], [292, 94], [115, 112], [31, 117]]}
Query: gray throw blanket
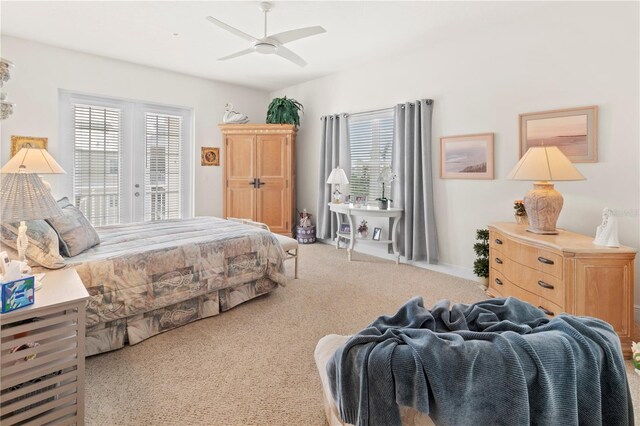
{"points": [[496, 362]]}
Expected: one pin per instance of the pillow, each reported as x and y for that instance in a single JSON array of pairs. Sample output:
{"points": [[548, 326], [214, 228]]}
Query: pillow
{"points": [[43, 242], [74, 230]]}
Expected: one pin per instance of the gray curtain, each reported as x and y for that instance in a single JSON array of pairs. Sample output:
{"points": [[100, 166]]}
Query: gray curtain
{"points": [[334, 133], [413, 190]]}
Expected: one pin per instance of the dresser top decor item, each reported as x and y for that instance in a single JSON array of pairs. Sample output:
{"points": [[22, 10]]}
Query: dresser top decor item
{"points": [[607, 231], [543, 203], [387, 176]]}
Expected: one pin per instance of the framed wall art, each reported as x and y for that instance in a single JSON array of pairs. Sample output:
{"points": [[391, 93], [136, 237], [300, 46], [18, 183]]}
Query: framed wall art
{"points": [[574, 131], [466, 156], [210, 156], [19, 142]]}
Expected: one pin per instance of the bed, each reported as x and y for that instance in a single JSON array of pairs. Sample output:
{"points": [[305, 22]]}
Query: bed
{"points": [[147, 278]]}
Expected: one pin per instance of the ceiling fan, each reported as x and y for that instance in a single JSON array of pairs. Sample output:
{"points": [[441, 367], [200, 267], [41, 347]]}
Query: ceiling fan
{"points": [[270, 45]]}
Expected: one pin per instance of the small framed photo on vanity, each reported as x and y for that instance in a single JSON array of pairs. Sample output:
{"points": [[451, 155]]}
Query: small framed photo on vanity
{"points": [[345, 228], [377, 233]]}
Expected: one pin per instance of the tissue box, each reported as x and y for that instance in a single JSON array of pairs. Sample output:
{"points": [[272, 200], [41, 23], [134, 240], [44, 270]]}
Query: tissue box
{"points": [[18, 294]]}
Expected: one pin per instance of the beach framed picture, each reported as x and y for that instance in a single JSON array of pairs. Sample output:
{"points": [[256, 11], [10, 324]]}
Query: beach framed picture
{"points": [[574, 131], [466, 156]]}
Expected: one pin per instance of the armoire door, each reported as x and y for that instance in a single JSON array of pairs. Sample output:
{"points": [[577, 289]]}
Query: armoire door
{"points": [[273, 171], [241, 171]]}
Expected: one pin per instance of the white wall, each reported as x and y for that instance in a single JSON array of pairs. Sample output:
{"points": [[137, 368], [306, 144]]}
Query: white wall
{"points": [[42, 70], [481, 78]]}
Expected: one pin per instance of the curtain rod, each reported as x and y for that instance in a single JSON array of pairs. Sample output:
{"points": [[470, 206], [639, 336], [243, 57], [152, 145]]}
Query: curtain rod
{"points": [[373, 111]]}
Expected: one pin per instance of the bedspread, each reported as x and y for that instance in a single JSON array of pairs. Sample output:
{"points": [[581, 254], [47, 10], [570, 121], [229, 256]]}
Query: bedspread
{"points": [[143, 267]]}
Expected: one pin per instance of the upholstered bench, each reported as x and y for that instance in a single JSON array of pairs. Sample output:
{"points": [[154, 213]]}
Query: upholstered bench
{"points": [[289, 245]]}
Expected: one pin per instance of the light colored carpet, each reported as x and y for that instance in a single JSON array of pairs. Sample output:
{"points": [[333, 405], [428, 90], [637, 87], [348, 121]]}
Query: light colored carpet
{"points": [[254, 364]]}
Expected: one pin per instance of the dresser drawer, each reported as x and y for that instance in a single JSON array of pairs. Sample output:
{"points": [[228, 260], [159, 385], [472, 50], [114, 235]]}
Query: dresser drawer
{"points": [[496, 284], [510, 289], [536, 282], [498, 241], [499, 261], [539, 259]]}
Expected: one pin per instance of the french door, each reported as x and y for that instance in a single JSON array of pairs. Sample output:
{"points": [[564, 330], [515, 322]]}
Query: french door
{"points": [[129, 160]]}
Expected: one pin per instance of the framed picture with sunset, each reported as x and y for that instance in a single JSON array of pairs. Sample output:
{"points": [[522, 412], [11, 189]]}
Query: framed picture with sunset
{"points": [[574, 131], [466, 156]]}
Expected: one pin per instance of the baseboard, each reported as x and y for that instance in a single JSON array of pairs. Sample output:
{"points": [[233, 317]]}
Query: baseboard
{"points": [[636, 313], [445, 268]]}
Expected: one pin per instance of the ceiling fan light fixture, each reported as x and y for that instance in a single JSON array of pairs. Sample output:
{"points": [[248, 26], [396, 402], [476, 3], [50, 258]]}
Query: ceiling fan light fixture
{"points": [[265, 48]]}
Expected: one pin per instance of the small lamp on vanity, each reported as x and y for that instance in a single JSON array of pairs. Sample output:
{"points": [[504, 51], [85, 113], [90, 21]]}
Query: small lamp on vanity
{"points": [[337, 177], [543, 203]]}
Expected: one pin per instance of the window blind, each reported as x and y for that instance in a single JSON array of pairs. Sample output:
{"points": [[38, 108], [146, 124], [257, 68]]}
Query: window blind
{"points": [[371, 145], [163, 174], [96, 173]]}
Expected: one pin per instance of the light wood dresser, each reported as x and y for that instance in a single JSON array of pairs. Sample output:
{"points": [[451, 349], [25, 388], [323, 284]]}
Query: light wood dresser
{"points": [[42, 374], [564, 273]]}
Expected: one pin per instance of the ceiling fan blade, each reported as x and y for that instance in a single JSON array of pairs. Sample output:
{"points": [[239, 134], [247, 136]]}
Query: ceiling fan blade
{"points": [[288, 54], [235, 55], [293, 35], [229, 28]]}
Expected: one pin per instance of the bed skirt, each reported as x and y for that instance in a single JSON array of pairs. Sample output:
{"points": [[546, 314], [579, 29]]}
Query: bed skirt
{"points": [[109, 336]]}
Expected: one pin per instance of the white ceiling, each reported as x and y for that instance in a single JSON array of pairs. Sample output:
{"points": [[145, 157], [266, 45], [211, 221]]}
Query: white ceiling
{"points": [[142, 32]]}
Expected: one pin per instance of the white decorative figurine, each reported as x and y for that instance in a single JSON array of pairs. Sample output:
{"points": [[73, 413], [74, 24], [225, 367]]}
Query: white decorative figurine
{"points": [[232, 117], [607, 231]]}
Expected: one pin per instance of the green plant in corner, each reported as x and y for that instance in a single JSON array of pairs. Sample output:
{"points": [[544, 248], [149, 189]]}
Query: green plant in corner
{"points": [[481, 247], [284, 111]]}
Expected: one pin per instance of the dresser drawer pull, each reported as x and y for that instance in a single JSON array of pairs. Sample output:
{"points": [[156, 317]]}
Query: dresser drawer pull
{"points": [[498, 241], [497, 280], [546, 311], [545, 285], [498, 261], [545, 260]]}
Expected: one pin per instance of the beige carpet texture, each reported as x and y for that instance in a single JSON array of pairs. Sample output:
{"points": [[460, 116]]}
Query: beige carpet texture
{"points": [[254, 364]]}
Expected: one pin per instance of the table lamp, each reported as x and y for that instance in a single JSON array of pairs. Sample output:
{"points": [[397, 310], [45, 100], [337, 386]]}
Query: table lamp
{"points": [[337, 177], [33, 160], [23, 196], [543, 203]]}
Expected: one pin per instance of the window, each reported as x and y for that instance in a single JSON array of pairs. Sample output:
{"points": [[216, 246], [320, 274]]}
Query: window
{"points": [[370, 144], [130, 161], [96, 162], [162, 180]]}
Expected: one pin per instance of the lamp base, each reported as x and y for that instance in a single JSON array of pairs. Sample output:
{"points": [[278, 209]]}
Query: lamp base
{"points": [[543, 205]]}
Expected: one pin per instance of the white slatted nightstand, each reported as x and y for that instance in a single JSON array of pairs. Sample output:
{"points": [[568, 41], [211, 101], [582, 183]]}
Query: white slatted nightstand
{"points": [[43, 382]]}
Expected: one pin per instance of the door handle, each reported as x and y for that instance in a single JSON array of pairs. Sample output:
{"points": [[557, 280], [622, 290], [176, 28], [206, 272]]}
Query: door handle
{"points": [[498, 281], [498, 261], [498, 241], [254, 182], [545, 260]]}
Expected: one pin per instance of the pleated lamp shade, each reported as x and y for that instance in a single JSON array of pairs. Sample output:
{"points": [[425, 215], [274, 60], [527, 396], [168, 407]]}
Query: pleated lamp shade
{"points": [[338, 177], [23, 196]]}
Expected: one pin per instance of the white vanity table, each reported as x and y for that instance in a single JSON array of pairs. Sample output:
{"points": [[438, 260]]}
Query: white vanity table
{"points": [[351, 212]]}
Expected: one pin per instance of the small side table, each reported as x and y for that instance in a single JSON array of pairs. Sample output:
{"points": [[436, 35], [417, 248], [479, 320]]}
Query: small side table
{"points": [[43, 381], [351, 212]]}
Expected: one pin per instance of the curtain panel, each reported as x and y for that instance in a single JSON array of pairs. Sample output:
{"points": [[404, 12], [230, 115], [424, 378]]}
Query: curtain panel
{"points": [[413, 190], [334, 134]]}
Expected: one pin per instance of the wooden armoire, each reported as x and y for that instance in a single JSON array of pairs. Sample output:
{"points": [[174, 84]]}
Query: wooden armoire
{"points": [[260, 174]]}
